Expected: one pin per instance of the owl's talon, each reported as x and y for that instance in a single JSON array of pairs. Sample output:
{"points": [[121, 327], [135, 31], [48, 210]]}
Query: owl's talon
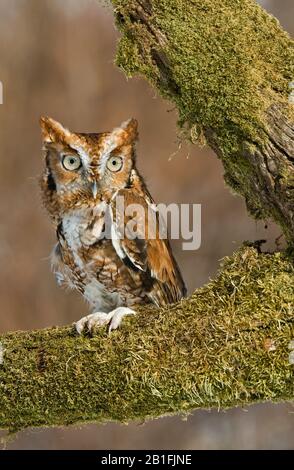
{"points": [[99, 319], [80, 325], [117, 316], [92, 321]]}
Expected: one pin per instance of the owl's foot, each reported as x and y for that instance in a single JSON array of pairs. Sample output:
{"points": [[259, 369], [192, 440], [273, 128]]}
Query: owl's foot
{"points": [[98, 319]]}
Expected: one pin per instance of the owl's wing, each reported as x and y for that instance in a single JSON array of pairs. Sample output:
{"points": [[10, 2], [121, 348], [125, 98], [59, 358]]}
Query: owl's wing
{"points": [[135, 237]]}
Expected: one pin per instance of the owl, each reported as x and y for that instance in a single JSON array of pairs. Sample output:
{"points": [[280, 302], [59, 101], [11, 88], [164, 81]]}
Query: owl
{"points": [[96, 253]]}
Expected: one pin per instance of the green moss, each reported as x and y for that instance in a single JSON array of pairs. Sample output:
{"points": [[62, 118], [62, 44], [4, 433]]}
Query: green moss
{"points": [[207, 351], [223, 63], [229, 61]]}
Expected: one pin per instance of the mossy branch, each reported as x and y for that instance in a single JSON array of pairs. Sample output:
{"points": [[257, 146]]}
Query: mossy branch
{"points": [[225, 346], [227, 67]]}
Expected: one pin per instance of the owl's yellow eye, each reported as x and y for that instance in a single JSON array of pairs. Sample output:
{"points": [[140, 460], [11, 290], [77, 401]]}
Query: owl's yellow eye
{"points": [[114, 163], [71, 162]]}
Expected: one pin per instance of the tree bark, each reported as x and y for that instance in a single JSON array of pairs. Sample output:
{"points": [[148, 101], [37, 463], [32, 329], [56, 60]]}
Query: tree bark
{"points": [[227, 345], [228, 67], [226, 64]]}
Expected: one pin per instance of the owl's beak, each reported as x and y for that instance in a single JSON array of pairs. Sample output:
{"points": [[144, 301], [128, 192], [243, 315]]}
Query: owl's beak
{"points": [[94, 189]]}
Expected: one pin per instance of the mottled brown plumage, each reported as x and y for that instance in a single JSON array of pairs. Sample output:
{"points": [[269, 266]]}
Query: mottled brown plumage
{"points": [[85, 178]]}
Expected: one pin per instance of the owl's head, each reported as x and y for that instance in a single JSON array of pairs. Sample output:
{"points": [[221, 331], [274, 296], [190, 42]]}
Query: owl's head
{"points": [[83, 168]]}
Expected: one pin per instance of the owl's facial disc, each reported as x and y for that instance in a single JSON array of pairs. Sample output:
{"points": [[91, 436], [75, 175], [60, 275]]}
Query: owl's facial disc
{"points": [[82, 167]]}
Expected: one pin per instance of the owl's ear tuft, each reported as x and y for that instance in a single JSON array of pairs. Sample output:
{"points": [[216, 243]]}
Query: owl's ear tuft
{"points": [[130, 130], [53, 131]]}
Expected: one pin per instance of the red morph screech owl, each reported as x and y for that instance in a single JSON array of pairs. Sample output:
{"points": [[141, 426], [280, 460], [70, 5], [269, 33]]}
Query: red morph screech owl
{"points": [[84, 175]]}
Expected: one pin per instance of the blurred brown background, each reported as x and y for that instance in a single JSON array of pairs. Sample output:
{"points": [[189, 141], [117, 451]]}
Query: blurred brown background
{"points": [[56, 58]]}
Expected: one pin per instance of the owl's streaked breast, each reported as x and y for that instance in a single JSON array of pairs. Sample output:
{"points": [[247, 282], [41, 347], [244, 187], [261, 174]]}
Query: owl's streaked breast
{"points": [[92, 263]]}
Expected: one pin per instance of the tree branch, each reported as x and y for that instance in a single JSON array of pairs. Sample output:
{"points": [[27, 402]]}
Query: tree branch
{"points": [[225, 346], [227, 67]]}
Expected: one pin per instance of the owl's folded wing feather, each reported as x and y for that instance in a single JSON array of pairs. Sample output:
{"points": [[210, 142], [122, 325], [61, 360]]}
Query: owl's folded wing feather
{"points": [[135, 236]]}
